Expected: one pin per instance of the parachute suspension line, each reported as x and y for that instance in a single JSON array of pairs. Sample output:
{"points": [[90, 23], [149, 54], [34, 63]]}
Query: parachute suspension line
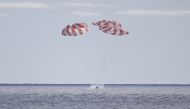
{"points": [[94, 58], [104, 62], [100, 64], [85, 61]]}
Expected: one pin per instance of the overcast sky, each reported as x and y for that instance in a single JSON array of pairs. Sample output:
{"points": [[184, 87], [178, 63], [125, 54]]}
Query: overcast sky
{"points": [[157, 50]]}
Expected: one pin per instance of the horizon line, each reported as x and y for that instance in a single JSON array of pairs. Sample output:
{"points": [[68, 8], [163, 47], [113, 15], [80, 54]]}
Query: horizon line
{"points": [[38, 84]]}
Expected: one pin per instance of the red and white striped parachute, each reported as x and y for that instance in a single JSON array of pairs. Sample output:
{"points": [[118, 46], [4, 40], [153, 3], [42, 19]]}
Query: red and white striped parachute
{"points": [[103, 23], [111, 27], [75, 29]]}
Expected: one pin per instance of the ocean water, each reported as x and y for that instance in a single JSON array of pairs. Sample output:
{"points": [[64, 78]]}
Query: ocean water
{"points": [[82, 97]]}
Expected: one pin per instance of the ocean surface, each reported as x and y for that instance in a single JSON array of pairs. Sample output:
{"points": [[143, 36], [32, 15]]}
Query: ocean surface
{"points": [[83, 97]]}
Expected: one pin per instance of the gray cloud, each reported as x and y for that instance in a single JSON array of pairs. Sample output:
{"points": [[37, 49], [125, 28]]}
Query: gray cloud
{"points": [[154, 12], [23, 5], [83, 4], [82, 13], [4, 14]]}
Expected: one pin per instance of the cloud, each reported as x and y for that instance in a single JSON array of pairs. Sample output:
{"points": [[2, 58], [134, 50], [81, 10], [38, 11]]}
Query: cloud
{"points": [[4, 14], [83, 4], [154, 12], [23, 5], [82, 13]]}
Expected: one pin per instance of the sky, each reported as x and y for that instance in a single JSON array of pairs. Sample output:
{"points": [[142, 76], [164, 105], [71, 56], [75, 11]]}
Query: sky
{"points": [[156, 51]]}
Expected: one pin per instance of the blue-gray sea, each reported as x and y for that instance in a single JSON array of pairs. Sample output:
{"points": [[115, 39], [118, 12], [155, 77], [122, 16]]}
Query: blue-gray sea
{"points": [[83, 97]]}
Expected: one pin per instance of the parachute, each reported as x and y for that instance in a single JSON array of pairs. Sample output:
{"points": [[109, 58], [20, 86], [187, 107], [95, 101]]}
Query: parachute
{"points": [[75, 29], [111, 27], [103, 23], [106, 26]]}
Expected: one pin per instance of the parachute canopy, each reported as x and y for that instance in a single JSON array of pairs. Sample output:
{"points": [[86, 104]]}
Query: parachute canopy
{"points": [[75, 29], [111, 27]]}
